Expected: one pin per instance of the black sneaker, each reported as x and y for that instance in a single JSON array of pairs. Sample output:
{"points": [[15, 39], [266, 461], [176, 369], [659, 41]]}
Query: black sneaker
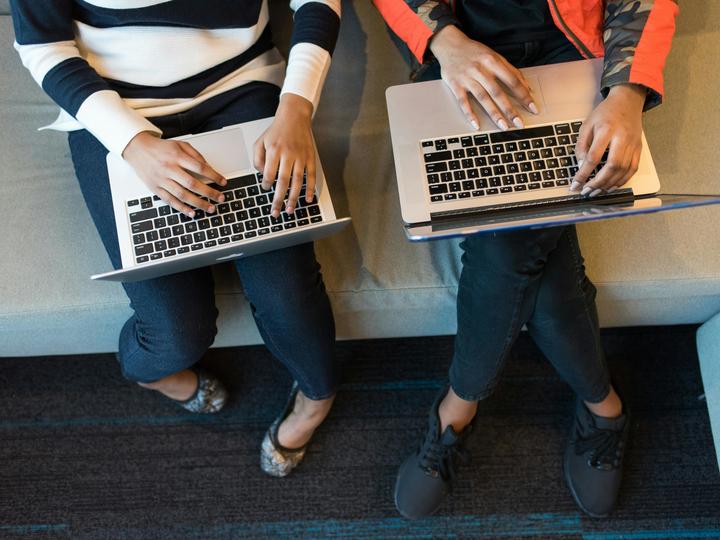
{"points": [[426, 477], [594, 458]]}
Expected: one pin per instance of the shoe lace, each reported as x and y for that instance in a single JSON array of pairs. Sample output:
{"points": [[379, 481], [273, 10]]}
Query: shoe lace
{"points": [[441, 459], [606, 446]]}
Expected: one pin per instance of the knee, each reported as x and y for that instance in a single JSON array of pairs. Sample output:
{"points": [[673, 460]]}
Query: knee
{"points": [[151, 350]]}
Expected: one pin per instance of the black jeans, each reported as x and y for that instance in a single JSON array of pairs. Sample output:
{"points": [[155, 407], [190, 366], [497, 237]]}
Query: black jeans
{"points": [[532, 277], [173, 323]]}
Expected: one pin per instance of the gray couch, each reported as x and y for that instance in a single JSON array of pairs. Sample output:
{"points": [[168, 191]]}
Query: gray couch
{"points": [[662, 269]]}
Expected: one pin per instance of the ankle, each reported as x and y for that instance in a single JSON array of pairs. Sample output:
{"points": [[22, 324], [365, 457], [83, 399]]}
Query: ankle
{"points": [[178, 386], [610, 407], [456, 412]]}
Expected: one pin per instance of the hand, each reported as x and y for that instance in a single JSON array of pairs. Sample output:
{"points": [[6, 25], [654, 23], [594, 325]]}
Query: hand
{"points": [[168, 169], [286, 151], [469, 67], [615, 125]]}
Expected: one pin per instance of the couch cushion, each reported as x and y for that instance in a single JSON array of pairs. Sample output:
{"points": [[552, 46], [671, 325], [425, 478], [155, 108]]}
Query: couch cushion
{"points": [[649, 270]]}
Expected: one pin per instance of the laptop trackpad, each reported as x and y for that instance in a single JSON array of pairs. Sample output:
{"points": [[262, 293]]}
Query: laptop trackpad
{"points": [[224, 150]]}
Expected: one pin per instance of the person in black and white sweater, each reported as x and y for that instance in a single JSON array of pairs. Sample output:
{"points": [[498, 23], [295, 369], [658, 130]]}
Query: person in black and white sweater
{"points": [[128, 75]]}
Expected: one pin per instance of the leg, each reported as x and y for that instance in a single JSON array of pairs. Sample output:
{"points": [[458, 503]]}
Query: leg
{"points": [[173, 322], [565, 308], [293, 314], [496, 295]]}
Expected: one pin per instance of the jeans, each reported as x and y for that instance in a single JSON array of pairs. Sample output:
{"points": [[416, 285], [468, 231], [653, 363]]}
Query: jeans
{"points": [[173, 321], [527, 277]]}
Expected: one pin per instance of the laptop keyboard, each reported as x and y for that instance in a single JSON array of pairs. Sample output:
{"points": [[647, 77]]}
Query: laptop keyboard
{"points": [[161, 232], [499, 163]]}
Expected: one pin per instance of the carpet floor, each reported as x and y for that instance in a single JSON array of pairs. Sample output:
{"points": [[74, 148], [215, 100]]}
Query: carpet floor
{"points": [[84, 454]]}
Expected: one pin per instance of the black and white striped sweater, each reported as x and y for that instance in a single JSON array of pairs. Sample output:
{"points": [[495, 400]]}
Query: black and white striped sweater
{"points": [[111, 64]]}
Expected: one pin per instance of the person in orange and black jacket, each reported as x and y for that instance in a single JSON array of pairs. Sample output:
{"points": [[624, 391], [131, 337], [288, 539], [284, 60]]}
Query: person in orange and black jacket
{"points": [[534, 277]]}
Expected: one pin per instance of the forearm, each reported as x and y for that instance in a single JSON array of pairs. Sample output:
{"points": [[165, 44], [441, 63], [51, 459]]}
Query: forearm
{"points": [[637, 38], [45, 42], [315, 33]]}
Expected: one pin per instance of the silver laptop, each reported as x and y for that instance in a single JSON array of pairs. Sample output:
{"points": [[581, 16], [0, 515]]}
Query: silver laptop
{"points": [[454, 181], [156, 240]]}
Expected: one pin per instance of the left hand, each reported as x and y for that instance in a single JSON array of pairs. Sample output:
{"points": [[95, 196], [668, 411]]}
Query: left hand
{"points": [[286, 151], [615, 125]]}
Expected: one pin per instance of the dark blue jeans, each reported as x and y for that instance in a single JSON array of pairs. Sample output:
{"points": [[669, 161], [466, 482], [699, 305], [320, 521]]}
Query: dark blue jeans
{"points": [[532, 277], [173, 323]]}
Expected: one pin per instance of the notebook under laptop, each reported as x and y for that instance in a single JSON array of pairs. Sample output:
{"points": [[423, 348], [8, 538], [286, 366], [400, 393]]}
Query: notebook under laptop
{"points": [[454, 181], [156, 240]]}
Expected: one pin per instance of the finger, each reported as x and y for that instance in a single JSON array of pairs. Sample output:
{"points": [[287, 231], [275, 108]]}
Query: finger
{"points": [[616, 167], [487, 103], [298, 179], [259, 154], [464, 103], [517, 84], [310, 178], [176, 203], [281, 187], [585, 138], [175, 188], [270, 170], [196, 186], [199, 165], [591, 160], [499, 96]]}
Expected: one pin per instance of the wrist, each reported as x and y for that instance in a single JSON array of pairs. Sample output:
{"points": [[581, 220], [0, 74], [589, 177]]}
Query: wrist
{"points": [[633, 93], [139, 139], [446, 39], [295, 105]]}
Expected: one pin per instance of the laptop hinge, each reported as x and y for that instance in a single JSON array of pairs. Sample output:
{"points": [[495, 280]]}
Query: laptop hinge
{"points": [[619, 196]]}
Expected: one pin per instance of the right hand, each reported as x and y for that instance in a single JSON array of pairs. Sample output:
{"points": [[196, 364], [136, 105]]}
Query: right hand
{"points": [[469, 67], [165, 167]]}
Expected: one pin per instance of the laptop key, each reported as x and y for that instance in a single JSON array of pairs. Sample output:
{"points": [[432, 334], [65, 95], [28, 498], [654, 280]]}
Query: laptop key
{"points": [[146, 202], [492, 191], [224, 240], [562, 182], [138, 238], [562, 129], [534, 186], [142, 259], [184, 249], [548, 184], [169, 253], [480, 139], [134, 202], [451, 196], [478, 193], [225, 231], [575, 126], [238, 228], [152, 236], [142, 215], [213, 234], [173, 242], [195, 247], [441, 144], [209, 244], [164, 210], [144, 249], [425, 144], [431, 157], [436, 198], [156, 256], [199, 236], [521, 187]]}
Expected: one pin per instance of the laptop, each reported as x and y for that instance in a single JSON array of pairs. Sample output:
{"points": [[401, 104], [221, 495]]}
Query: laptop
{"points": [[454, 181], [157, 240]]}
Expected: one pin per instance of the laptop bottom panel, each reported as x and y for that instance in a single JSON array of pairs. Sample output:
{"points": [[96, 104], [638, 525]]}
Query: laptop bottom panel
{"points": [[535, 218], [228, 252]]}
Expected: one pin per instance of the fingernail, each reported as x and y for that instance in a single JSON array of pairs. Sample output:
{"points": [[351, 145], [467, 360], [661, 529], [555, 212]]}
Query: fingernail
{"points": [[596, 193], [211, 209], [533, 108], [586, 190], [474, 124], [518, 122], [221, 198], [502, 124], [191, 214], [612, 189], [574, 186]]}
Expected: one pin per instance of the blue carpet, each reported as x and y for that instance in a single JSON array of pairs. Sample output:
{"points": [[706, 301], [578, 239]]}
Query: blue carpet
{"points": [[83, 454]]}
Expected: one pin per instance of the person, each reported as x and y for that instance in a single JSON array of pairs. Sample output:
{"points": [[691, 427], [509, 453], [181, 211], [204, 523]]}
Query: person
{"points": [[533, 277], [128, 76]]}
